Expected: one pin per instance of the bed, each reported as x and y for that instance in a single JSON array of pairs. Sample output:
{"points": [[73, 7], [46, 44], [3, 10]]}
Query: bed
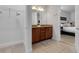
{"points": [[68, 30]]}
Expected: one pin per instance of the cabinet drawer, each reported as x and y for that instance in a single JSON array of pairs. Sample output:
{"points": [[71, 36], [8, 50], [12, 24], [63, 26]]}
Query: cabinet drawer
{"points": [[48, 32], [42, 33]]}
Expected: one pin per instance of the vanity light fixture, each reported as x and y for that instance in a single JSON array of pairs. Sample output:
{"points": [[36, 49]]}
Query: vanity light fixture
{"points": [[40, 9], [34, 8], [37, 8]]}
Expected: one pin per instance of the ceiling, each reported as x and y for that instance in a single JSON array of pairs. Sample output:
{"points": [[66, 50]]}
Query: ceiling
{"points": [[67, 8]]}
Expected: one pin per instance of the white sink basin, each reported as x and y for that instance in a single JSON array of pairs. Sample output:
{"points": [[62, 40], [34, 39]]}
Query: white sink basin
{"points": [[38, 26]]}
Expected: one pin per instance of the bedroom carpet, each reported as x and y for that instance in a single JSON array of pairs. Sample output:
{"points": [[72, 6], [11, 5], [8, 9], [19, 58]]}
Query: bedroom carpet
{"points": [[66, 45]]}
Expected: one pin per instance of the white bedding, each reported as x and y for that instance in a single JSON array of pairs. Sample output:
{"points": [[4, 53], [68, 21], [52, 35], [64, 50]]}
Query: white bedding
{"points": [[69, 29]]}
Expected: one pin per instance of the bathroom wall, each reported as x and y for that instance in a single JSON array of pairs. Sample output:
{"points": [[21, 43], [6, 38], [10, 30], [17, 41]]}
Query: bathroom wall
{"points": [[34, 18], [43, 19], [53, 18], [16, 26], [11, 24]]}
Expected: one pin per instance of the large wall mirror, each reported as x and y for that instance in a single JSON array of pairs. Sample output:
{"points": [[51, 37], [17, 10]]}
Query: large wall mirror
{"points": [[37, 14]]}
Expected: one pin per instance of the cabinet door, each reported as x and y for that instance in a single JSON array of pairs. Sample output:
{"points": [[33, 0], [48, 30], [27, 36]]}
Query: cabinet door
{"points": [[35, 34], [48, 32], [42, 33]]}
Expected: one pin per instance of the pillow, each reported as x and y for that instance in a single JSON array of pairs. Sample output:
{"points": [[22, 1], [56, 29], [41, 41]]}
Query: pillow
{"points": [[61, 25], [67, 25]]}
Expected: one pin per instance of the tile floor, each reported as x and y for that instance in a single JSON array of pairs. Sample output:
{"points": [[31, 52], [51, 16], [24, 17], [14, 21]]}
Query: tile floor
{"points": [[66, 45], [19, 48]]}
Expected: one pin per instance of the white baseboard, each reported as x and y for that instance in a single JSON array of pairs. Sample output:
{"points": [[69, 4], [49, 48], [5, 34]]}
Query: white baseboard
{"points": [[11, 43]]}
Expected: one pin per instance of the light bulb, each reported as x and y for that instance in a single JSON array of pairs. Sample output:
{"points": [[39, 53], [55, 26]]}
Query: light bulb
{"points": [[40, 9]]}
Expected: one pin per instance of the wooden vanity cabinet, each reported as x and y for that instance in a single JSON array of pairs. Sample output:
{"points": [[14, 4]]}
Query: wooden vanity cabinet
{"points": [[41, 33], [35, 34], [48, 32]]}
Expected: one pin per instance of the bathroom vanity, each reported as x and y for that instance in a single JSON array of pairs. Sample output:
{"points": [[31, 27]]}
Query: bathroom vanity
{"points": [[42, 32]]}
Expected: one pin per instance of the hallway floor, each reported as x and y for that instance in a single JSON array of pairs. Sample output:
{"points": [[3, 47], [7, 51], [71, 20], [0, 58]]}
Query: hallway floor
{"points": [[66, 45]]}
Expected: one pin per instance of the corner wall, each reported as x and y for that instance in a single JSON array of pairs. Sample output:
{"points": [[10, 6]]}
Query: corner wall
{"points": [[77, 28], [53, 18]]}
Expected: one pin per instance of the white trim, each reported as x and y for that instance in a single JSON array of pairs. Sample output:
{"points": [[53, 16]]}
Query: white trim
{"points": [[10, 44]]}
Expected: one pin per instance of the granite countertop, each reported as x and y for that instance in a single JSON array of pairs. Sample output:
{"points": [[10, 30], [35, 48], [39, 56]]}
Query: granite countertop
{"points": [[38, 26]]}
